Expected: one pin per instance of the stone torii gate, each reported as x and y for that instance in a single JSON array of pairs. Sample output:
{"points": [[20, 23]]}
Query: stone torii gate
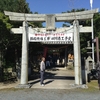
{"points": [[50, 25]]}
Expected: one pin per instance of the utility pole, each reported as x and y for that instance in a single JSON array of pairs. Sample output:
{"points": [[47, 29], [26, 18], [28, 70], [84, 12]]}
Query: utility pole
{"points": [[91, 2], [97, 48]]}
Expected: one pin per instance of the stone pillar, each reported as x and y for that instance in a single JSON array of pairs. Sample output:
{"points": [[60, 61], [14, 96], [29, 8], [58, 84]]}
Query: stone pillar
{"points": [[24, 60], [77, 56]]}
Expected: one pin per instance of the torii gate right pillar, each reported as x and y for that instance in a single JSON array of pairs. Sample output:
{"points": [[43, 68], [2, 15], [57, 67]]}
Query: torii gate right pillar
{"points": [[77, 56]]}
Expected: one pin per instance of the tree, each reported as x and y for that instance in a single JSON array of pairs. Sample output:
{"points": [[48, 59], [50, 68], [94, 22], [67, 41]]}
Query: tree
{"points": [[8, 40], [4, 34], [14, 6], [10, 43], [97, 25]]}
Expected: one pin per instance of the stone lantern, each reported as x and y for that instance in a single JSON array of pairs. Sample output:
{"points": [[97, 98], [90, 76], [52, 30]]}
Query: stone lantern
{"points": [[89, 49]]}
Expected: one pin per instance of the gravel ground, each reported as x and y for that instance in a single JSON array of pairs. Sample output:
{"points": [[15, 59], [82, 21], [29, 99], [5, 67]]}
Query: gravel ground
{"points": [[49, 94], [8, 92]]}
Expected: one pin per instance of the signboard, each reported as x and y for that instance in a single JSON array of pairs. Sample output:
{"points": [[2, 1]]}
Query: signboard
{"points": [[49, 36], [50, 22]]}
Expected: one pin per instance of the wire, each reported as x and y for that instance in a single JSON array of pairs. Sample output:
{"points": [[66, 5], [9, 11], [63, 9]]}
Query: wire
{"points": [[72, 6]]}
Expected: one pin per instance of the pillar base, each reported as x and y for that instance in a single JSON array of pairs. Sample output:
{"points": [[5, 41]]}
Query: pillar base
{"points": [[84, 86], [23, 86]]}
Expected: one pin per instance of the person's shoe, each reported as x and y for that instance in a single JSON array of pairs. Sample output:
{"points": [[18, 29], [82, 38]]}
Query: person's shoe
{"points": [[42, 84]]}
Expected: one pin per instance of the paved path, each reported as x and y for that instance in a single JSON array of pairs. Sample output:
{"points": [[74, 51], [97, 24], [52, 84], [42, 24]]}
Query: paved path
{"points": [[56, 78]]}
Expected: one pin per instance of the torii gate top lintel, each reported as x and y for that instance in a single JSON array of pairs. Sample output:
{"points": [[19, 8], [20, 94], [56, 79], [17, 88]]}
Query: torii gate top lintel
{"points": [[51, 18], [88, 14]]}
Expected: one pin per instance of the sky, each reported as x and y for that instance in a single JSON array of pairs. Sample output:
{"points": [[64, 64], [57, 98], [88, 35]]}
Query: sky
{"points": [[59, 6]]}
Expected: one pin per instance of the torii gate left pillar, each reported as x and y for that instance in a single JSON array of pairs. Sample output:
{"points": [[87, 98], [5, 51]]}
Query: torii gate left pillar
{"points": [[24, 60]]}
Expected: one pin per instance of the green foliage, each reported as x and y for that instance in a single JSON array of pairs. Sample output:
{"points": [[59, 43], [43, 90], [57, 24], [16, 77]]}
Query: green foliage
{"points": [[4, 30], [10, 42], [76, 10], [14, 6], [97, 25], [5, 20], [22, 6]]}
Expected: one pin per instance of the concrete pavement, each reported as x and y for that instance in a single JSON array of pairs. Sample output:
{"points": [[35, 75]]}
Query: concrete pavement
{"points": [[56, 78]]}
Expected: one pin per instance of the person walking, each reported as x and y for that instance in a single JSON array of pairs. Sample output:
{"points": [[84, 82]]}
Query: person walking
{"points": [[98, 73], [42, 71], [48, 62]]}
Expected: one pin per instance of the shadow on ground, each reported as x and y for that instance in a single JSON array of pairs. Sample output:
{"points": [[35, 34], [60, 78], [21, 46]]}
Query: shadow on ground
{"points": [[51, 74]]}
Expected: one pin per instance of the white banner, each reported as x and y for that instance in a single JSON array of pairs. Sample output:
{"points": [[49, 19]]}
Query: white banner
{"points": [[51, 36]]}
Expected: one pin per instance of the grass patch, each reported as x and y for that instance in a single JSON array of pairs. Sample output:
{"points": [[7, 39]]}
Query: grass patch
{"points": [[93, 85], [11, 89]]}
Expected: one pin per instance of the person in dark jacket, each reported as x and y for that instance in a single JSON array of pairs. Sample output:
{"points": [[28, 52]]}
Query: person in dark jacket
{"points": [[48, 62], [42, 70]]}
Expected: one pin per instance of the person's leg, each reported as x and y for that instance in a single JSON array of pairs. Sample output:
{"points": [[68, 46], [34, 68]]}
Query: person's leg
{"points": [[42, 77], [47, 64]]}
